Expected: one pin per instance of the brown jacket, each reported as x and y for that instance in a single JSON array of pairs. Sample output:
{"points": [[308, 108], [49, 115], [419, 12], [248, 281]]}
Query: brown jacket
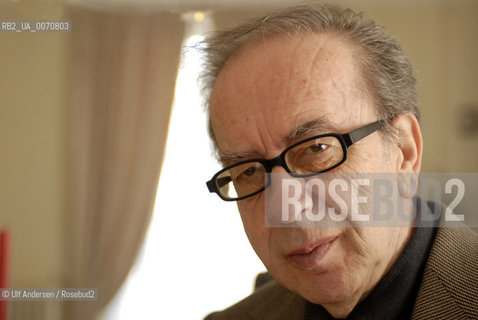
{"points": [[449, 288]]}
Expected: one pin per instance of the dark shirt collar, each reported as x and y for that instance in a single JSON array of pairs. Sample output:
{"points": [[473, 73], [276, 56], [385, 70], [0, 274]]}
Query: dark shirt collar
{"points": [[395, 295]]}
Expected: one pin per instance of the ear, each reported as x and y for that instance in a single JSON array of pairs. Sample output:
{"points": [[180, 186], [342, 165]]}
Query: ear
{"points": [[410, 143]]}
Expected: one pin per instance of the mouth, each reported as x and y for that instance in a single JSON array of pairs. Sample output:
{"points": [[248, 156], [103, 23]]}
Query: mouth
{"points": [[310, 256]]}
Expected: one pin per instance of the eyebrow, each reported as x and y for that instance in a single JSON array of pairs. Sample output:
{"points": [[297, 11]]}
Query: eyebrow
{"points": [[232, 157], [309, 128]]}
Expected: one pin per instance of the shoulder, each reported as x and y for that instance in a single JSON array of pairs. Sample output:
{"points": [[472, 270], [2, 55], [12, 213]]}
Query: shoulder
{"points": [[450, 281], [454, 254], [267, 302]]}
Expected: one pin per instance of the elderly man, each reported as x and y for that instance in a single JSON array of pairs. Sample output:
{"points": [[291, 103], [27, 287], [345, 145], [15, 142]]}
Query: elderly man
{"points": [[323, 82]]}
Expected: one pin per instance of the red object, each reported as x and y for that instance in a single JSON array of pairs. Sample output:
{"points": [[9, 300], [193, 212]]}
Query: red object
{"points": [[4, 247]]}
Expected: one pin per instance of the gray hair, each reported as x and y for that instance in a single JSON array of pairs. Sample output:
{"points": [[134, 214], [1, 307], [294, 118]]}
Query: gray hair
{"points": [[386, 71]]}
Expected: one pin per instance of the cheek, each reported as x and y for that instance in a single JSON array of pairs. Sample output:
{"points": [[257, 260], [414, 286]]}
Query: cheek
{"points": [[360, 251], [369, 156], [252, 215], [366, 163], [365, 249]]}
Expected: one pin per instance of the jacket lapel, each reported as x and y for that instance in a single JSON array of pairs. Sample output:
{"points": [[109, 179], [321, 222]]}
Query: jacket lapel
{"points": [[450, 282], [281, 304]]}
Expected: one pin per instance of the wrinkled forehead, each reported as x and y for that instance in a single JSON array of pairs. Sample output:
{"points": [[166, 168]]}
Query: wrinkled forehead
{"points": [[276, 82]]}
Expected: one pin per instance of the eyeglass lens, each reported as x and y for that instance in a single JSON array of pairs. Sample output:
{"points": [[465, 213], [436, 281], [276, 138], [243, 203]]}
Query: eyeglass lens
{"points": [[310, 157]]}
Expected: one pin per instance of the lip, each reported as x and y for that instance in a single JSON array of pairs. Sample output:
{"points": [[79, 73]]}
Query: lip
{"points": [[312, 254]]}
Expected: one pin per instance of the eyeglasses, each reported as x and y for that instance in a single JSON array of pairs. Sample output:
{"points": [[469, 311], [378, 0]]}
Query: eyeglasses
{"points": [[305, 158]]}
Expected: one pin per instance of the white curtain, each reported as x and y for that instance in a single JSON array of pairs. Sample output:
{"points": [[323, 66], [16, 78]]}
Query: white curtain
{"points": [[123, 71]]}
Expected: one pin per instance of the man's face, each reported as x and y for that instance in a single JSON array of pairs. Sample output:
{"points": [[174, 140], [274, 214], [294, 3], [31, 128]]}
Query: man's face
{"points": [[261, 95]]}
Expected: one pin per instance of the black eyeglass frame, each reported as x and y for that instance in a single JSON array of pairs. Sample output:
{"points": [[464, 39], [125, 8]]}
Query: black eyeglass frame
{"points": [[345, 139]]}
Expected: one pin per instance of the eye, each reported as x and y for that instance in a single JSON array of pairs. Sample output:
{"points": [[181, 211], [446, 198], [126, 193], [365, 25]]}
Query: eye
{"points": [[249, 171], [316, 148]]}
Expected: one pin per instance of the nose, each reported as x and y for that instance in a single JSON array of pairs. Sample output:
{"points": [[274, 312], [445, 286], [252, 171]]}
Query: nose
{"points": [[285, 203], [275, 180], [278, 161], [278, 169]]}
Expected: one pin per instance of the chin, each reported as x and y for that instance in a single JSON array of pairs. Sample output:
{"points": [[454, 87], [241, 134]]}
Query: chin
{"points": [[324, 288], [330, 292]]}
